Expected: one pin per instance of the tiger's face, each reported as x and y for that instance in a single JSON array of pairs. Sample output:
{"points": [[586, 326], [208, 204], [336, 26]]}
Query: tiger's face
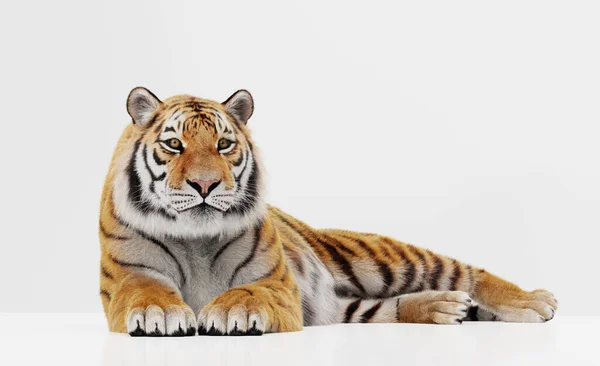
{"points": [[191, 168]]}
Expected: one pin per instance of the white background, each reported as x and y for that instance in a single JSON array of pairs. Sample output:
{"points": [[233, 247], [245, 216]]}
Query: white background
{"points": [[467, 127]]}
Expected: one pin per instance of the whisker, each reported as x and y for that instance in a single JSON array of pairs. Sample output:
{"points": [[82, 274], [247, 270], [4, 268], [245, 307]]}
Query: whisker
{"points": [[180, 202], [182, 195]]}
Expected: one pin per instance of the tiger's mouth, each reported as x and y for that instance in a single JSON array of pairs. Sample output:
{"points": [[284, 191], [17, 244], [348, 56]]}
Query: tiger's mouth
{"points": [[200, 208], [186, 200]]}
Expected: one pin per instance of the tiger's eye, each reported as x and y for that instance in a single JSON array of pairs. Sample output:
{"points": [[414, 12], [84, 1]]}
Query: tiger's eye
{"points": [[224, 144], [174, 143]]}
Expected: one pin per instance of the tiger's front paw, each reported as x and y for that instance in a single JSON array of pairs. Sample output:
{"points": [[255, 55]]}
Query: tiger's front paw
{"points": [[155, 321], [236, 312], [434, 307]]}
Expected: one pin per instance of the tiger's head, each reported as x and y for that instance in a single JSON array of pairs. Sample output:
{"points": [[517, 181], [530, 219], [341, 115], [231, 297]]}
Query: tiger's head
{"points": [[186, 167]]}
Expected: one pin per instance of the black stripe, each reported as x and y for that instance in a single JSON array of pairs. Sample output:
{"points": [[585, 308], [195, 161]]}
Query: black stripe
{"points": [[310, 241], [222, 249], [151, 123], [360, 243], [111, 235], [369, 314], [170, 128], [384, 246], [388, 277], [470, 274], [345, 266], [294, 257], [239, 161], [350, 310], [409, 272], [250, 191], [166, 250], [135, 188], [308, 313], [397, 310], [270, 273], [456, 274], [343, 291], [409, 277], [135, 185], [175, 106], [338, 244], [175, 116], [158, 127], [198, 106], [419, 288], [105, 273], [384, 269], [157, 159], [423, 262], [437, 272], [152, 176], [105, 293], [248, 258], [136, 265]]}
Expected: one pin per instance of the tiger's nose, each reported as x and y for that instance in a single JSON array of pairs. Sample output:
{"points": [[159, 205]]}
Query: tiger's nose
{"points": [[204, 187]]}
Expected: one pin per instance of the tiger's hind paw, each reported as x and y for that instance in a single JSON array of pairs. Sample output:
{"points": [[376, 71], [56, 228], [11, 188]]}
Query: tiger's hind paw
{"points": [[537, 306]]}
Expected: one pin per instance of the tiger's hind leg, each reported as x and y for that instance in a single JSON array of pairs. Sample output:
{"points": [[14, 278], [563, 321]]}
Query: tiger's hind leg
{"points": [[374, 266]]}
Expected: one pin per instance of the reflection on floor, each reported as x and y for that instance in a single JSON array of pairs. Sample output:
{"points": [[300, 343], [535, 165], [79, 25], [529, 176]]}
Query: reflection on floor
{"points": [[82, 339]]}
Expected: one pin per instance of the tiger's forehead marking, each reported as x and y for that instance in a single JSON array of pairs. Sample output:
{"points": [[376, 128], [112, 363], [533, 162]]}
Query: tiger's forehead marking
{"points": [[190, 116]]}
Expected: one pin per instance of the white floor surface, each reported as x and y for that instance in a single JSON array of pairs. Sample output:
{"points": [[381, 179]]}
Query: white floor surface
{"points": [[83, 339]]}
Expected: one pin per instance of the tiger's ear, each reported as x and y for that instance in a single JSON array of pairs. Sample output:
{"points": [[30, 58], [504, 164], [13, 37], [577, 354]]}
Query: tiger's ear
{"points": [[141, 104], [240, 105]]}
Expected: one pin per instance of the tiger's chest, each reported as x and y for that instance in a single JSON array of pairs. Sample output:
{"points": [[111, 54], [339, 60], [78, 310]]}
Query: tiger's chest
{"points": [[203, 283], [213, 267]]}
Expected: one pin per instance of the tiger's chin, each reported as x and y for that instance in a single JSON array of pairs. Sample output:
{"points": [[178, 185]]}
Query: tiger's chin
{"points": [[202, 213], [202, 209], [208, 221]]}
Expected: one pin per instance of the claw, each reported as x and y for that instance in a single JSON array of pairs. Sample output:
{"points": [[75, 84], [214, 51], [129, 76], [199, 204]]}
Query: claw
{"points": [[214, 331]]}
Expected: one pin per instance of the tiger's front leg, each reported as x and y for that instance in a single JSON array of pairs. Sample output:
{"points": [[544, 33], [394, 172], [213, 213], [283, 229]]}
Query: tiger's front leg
{"points": [[145, 306], [271, 304]]}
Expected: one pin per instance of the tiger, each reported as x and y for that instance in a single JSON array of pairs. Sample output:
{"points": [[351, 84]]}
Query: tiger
{"points": [[189, 245]]}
